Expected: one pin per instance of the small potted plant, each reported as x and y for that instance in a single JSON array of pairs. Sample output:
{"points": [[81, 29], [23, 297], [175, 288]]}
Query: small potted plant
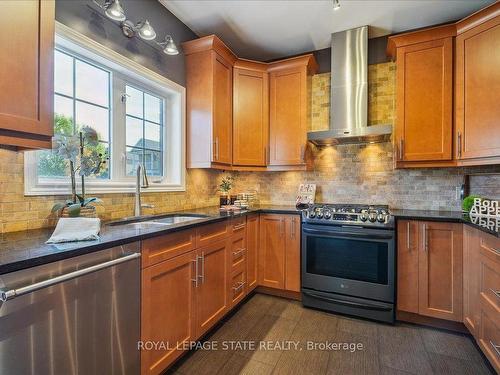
{"points": [[225, 187], [85, 159]]}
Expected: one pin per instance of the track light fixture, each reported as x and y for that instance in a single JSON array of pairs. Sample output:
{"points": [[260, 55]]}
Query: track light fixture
{"points": [[336, 4], [114, 11]]}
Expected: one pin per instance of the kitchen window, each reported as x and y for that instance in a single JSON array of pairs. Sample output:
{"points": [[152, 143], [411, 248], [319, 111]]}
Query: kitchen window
{"points": [[138, 116]]}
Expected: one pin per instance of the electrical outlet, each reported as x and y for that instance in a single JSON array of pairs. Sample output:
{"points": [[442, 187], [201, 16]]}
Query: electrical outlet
{"points": [[458, 192]]}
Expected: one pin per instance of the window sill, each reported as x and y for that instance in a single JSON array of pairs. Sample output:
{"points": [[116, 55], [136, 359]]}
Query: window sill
{"points": [[101, 188]]}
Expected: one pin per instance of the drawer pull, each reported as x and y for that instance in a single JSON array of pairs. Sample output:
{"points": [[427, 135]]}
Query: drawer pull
{"points": [[237, 254], [496, 292], [496, 347], [238, 287], [239, 226]]}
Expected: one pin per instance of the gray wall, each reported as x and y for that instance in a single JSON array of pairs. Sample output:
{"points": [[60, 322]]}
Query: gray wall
{"points": [[85, 17]]}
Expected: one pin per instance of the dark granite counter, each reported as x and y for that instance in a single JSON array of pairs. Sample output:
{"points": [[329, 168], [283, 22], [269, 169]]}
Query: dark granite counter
{"points": [[484, 225], [25, 249]]}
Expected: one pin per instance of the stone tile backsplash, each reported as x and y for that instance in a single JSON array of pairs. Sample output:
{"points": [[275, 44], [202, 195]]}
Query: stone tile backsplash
{"points": [[343, 174]]}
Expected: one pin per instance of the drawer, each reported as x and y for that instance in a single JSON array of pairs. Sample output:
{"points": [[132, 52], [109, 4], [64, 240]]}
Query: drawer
{"points": [[158, 249], [210, 233], [238, 254], [237, 288], [490, 246], [489, 280], [239, 224], [489, 337]]}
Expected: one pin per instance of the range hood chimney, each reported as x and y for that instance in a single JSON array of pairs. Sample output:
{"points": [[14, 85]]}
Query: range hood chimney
{"points": [[349, 93]]}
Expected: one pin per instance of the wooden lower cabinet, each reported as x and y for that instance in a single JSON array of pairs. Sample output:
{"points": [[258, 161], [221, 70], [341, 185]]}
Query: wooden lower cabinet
{"points": [[472, 312], [430, 278], [279, 251], [165, 285], [237, 286], [252, 244], [211, 294]]}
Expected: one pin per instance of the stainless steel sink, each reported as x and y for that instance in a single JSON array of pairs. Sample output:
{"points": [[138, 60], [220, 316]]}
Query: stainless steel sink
{"points": [[148, 222]]}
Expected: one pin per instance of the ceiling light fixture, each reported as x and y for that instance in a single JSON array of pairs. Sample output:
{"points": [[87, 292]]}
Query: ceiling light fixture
{"points": [[114, 11], [336, 4]]}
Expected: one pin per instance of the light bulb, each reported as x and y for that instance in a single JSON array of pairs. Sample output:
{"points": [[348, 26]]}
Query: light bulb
{"points": [[146, 31], [170, 47], [115, 11]]}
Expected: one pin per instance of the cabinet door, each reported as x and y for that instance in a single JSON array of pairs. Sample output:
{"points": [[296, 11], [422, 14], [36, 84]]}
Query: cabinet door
{"points": [[164, 285], [440, 270], [407, 286], [211, 295], [237, 287], [272, 251], [222, 116], [287, 116], [26, 72], [292, 253], [477, 91], [424, 101], [471, 278], [252, 250], [250, 117]]}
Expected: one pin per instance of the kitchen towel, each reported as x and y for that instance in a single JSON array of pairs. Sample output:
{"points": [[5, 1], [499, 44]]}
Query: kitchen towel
{"points": [[76, 229]]}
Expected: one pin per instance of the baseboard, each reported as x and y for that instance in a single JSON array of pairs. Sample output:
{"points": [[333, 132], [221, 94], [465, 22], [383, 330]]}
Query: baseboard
{"points": [[279, 293], [431, 322]]}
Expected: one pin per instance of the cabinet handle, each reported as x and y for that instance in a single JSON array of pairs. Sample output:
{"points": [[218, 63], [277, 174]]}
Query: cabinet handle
{"points": [[195, 280], [496, 292], [202, 275], [459, 144], [216, 144], [401, 149], [239, 286], [408, 236], [496, 347], [265, 155], [426, 239], [302, 152], [239, 226], [238, 253]]}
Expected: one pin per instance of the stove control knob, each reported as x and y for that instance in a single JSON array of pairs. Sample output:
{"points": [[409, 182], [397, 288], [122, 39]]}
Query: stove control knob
{"points": [[312, 214], [372, 216], [328, 214], [381, 217], [363, 216], [319, 215]]}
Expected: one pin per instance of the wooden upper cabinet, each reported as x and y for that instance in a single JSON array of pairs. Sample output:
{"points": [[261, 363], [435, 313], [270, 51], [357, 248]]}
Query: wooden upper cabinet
{"points": [[477, 91], [26, 73], [440, 270], [289, 109], [209, 102], [424, 95], [250, 113]]}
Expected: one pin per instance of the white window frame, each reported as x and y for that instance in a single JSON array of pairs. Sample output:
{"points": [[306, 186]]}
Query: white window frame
{"points": [[174, 122]]}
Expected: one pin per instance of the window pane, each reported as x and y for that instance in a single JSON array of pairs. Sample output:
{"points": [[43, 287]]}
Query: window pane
{"points": [[134, 136], [134, 157], [134, 102], [51, 165], [63, 73], [63, 116], [152, 136], [152, 108], [153, 163], [102, 148], [95, 117], [92, 84]]}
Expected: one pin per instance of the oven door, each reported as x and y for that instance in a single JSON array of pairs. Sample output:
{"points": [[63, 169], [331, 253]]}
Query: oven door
{"points": [[350, 260]]}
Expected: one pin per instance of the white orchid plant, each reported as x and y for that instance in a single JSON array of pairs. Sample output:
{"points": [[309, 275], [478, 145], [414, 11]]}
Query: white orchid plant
{"points": [[84, 159]]}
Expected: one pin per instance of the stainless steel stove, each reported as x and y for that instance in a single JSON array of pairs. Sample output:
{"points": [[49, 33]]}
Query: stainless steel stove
{"points": [[348, 260], [377, 216]]}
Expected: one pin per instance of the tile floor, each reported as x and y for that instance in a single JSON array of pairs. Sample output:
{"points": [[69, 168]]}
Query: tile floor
{"points": [[400, 349]]}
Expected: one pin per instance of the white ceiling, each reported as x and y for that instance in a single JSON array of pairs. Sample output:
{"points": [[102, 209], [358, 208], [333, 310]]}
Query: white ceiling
{"points": [[268, 29]]}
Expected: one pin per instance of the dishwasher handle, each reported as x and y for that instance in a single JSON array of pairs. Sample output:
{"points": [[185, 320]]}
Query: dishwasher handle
{"points": [[12, 293]]}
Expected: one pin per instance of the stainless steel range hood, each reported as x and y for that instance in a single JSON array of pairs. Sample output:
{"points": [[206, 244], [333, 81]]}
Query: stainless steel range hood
{"points": [[349, 93]]}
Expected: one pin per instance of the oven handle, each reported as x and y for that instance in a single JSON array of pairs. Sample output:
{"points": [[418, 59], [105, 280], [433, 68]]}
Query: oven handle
{"points": [[348, 234], [366, 306]]}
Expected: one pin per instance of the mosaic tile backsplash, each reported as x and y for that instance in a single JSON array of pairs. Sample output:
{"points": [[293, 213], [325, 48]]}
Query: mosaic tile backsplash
{"points": [[343, 174]]}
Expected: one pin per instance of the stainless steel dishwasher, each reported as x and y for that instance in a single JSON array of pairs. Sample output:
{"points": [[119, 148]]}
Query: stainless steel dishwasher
{"points": [[75, 316]]}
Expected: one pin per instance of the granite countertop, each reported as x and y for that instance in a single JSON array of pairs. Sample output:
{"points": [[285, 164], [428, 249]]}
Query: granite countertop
{"points": [[488, 226], [25, 249]]}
